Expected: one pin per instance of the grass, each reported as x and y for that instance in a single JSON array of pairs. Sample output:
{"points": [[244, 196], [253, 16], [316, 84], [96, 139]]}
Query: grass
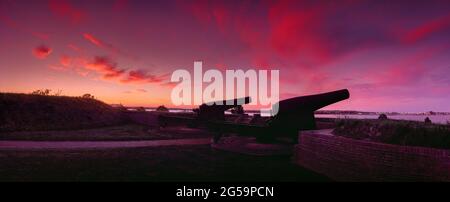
{"points": [[110, 133], [26, 112], [185, 163], [409, 133]]}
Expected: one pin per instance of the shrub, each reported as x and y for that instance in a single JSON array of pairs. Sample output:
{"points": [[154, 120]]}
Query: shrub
{"points": [[88, 96], [382, 117], [396, 132], [44, 92], [427, 120], [58, 93], [162, 108]]}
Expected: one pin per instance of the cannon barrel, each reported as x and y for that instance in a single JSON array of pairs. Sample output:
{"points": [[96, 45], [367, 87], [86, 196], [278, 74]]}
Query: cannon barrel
{"points": [[212, 106], [311, 103], [297, 113]]}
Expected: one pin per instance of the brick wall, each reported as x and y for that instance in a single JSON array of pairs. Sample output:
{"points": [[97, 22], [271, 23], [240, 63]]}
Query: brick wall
{"points": [[345, 159]]}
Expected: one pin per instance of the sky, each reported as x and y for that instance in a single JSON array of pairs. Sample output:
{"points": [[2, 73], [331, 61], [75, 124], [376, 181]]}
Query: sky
{"points": [[391, 55]]}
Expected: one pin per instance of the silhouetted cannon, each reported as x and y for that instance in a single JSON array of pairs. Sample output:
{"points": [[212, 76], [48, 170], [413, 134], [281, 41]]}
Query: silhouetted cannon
{"points": [[293, 115], [215, 112], [208, 115], [297, 113]]}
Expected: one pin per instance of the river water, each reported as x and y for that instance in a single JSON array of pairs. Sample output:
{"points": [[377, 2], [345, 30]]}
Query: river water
{"points": [[443, 119]]}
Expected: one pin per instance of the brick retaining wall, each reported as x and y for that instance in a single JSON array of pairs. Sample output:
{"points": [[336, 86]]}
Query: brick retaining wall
{"points": [[346, 159]]}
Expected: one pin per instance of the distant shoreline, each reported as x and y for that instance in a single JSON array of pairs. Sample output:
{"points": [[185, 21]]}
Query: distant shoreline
{"points": [[335, 112], [435, 117]]}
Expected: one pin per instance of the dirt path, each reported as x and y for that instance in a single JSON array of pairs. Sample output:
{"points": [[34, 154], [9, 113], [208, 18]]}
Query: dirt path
{"points": [[32, 145]]}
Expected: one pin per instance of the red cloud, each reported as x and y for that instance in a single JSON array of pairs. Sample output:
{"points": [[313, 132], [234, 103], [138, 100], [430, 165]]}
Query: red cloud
{"points": [[77, 64], [141, 90], [65, 60], [105, 67], [169, 84], [141, 76], [107, 46], [94, 40], [74, 47], [295, 28], [108, 70], [207, 12], [297, 31], [222, 17], [427, 29], [42, 52], [200, 10], [64, 8]]}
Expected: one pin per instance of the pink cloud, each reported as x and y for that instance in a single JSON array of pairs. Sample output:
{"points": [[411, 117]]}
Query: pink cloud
{"points": [[222, 17], [65, 60], [95, 41], [74, 47], [168, 84], [216, 13], [426, 29], [141, 76], [69, 63], [221, 66], [409, 70], [289, 30], [139, 90], [108, 70], [65, 9], [296, 30], [105, 67], [107, 46], [199, 9], [249, 33], [42, 52], [57, 67]]}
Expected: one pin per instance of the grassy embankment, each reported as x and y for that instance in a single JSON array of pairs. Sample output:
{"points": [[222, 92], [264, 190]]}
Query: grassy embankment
{"points": [[410, 133], [63, 118], [25, 112]]}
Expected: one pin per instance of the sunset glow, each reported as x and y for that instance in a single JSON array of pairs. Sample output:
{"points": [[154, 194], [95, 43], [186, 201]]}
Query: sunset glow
{"points": [[391, 57]]}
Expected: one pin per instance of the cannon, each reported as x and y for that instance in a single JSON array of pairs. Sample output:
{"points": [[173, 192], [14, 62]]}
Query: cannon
{"points": [[297, 113], [216, 112], [293, 115], [206, 115]]}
